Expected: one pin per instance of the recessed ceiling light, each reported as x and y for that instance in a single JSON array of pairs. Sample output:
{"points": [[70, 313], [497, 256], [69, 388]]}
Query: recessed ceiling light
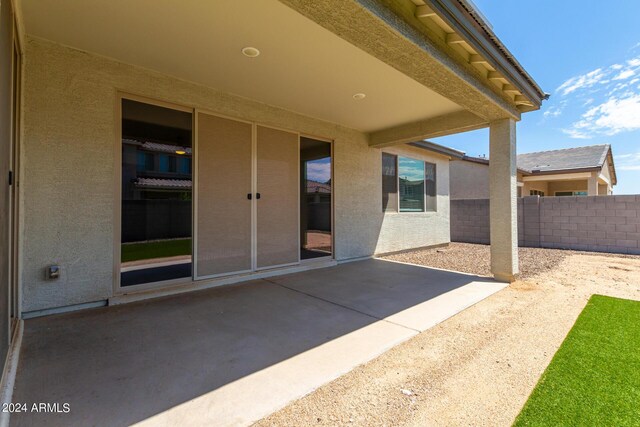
{"points": [[251, 52], [359, 96]]}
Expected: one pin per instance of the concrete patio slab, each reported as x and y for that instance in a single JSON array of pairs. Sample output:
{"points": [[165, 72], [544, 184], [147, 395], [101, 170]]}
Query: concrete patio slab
{"points": [[231, 355], [408, 295]]}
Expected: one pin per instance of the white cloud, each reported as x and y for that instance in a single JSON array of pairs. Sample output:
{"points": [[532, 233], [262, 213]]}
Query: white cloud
{"points": [[581, 82], [320, 172], [624, 74], [609, 94], [615, 115], [628, 162], [576, 134], [603, 76], [553, 112]]}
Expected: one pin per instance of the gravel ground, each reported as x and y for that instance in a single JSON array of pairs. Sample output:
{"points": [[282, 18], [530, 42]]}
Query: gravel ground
{"points": [[475, 259], [478, 367]]}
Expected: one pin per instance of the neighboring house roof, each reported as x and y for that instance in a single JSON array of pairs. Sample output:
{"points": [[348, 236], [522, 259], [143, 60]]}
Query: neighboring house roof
{"points": [[318, 187], [162, 183], [592, 157], [485, 161], [437, 148], [570, 160], [452, 152]]}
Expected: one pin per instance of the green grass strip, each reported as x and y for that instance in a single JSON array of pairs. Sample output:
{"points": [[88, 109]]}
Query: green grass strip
{"points": [[157, 249], [594, 378]]}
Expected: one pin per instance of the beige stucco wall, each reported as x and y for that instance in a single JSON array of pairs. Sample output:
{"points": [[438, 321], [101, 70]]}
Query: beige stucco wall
{"points": [[574, 185], [69, 173], [605, 189], [468, 180], [406, 230], [535, 185]]}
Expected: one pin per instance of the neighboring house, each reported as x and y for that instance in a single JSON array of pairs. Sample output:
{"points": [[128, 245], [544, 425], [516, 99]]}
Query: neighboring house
{"points": [[249, 90], [581, 171]]}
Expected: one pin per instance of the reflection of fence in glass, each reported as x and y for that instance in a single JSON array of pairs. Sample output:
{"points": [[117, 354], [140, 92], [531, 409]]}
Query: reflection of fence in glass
{"points": [[155, 220]]}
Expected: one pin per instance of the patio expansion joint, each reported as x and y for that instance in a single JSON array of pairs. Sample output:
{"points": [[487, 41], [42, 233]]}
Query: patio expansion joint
{"points": [[341, 305]]}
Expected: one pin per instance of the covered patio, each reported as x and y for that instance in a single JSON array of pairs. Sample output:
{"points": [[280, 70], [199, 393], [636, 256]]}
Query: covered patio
{"points": [[167, 147], [232, 355]]}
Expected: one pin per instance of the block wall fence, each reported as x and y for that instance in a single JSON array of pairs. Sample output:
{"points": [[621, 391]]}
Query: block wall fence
{"points": [[596, 223]]}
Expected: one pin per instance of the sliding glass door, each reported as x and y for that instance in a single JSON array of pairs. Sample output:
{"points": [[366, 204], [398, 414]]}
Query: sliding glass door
{"points": [[315, 203], [240, 182], [156, 205]]}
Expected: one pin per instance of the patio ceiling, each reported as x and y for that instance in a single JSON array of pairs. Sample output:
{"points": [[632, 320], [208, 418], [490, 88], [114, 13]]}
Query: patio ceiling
{"points": [[302, 67]]}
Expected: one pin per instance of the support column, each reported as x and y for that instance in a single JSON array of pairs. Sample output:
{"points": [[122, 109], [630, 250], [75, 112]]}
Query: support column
{"points": [[503, 204], [592, 184]]}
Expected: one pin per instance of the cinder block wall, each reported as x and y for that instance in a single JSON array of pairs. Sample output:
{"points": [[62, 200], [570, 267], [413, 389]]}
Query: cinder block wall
{"points": [[598, 223], [470, 220]]}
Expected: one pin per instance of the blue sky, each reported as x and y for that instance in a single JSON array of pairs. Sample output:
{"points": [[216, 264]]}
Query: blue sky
{"points": [[586, 54]]}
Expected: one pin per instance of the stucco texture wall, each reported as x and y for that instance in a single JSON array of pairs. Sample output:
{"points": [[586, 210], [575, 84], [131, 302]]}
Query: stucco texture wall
{"points": [[406, 230], [576, 185], [535, 185], [69, 176], [469, 180]]}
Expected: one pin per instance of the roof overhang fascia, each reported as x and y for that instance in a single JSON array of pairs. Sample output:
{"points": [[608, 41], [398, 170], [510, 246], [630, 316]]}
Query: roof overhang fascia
{"points": [[611, 165], [439, 149], [452, 12]]}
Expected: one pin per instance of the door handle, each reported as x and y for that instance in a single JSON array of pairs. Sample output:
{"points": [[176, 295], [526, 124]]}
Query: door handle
{"points": [[248, 196], [257, 196]]}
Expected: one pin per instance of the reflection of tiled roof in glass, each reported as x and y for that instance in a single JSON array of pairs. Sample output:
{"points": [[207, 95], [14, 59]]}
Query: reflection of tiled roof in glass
{"points": [[158, 146], [177, 184], [318, 187]]}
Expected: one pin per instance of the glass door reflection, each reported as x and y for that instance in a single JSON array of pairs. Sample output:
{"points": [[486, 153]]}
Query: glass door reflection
{"points": [[156, 194]]}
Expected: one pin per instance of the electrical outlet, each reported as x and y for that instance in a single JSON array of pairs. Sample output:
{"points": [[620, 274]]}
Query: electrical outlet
{"points": [[53, 272]]}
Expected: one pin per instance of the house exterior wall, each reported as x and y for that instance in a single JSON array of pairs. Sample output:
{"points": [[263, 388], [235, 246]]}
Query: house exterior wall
{"points": [[468, 180], [406, 230], [527, 186], [574, 185], [605, 189], [69, 176]]}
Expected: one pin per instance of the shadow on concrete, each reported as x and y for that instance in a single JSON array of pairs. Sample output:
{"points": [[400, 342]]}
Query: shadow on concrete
{"points": [[123, 364]]}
